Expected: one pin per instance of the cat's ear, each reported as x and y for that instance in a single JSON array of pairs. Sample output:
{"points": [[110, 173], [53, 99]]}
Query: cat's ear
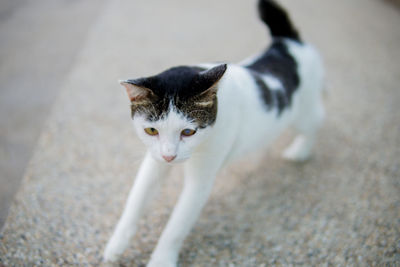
{"points": [[209, 82], [137, 92], [211, 77]]}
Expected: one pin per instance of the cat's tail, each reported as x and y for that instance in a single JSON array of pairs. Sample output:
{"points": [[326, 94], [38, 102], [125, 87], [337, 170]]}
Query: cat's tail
{"points": [[277, 19]]}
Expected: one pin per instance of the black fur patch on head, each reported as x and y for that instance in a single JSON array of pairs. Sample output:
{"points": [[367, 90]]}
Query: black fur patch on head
{"points": [[203, 115], [191, 90], [278, 63]]}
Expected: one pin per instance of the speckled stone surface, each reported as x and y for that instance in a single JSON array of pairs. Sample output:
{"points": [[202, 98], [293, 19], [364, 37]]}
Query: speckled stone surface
{"points": [[342, 208]]}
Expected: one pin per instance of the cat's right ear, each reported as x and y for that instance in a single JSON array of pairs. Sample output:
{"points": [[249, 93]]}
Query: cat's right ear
{"points": [[137, 93]]}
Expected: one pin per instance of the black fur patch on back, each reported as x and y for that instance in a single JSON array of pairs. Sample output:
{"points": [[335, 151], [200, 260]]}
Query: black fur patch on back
{"points": [[278, 62], [183, 87], [266, 92]]}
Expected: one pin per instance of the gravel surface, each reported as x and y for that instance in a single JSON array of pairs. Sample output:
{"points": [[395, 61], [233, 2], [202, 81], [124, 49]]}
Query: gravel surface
{"points": [[342, 208], [30, 41]]}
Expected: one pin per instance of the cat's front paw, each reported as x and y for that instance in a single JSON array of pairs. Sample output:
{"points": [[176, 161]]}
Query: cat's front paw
{"points": [[111, 255], [161, 263], [113, 251]]}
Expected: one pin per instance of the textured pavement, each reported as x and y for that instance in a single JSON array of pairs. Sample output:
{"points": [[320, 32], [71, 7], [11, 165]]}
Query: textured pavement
{"points": [[342, 208], [38, 46]]}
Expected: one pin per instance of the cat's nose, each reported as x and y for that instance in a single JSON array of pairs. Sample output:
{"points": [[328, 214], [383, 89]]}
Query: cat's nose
{"points": [[169, 158]]}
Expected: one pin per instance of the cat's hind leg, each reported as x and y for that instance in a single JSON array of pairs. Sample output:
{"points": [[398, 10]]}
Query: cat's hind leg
{"points": [[147, 180], [307, 124]]}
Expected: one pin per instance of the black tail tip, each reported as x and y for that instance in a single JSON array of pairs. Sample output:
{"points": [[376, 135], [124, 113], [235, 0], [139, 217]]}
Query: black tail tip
{"points": [[277, 20]]}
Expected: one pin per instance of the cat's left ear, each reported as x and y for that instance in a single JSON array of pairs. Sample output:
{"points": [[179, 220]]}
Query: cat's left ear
{"points": [[136, 90], [210, 78]]}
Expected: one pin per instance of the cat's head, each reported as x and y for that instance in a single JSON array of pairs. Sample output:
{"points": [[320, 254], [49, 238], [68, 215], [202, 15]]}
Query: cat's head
{"points": [[174, 111]]}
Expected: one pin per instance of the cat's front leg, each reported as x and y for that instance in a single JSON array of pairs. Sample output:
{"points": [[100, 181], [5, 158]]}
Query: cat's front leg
{"points": [[147, 179], [199, 179]]}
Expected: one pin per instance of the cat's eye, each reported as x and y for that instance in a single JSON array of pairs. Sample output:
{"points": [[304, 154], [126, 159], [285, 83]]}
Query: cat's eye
{"points": [[151, 131], [188, 132]]}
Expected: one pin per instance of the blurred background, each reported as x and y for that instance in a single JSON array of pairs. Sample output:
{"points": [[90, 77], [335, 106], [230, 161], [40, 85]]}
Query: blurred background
{"points": [[39, 43], [61, 60]]}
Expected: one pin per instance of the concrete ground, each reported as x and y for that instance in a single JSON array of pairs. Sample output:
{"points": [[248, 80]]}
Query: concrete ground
{"points": [[342, 208], [38, 47]]}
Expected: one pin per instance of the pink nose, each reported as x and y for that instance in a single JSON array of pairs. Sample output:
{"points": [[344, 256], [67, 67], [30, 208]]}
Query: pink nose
{"points": [[169, 158]]}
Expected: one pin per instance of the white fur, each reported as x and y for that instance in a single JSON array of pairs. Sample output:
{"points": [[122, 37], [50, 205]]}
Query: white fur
{"points": [[243, 125], [272, 82]]}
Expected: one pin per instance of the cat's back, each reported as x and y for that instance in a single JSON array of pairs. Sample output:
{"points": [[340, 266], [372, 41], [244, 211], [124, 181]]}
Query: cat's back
{"points": [[257, 101], [245, 119]]}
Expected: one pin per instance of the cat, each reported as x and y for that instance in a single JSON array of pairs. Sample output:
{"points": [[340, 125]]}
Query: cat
{"points": [[208, 115]]}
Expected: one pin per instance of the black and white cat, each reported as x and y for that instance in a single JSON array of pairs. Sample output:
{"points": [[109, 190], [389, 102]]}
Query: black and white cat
{"points": [[208, 115]]}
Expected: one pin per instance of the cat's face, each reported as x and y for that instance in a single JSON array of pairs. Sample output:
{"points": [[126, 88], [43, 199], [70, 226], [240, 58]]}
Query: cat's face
{"points": [[171, 138], [173, 112]]}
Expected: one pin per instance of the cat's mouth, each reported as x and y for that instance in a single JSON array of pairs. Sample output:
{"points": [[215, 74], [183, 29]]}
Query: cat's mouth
{"points": [[177, 161]]}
